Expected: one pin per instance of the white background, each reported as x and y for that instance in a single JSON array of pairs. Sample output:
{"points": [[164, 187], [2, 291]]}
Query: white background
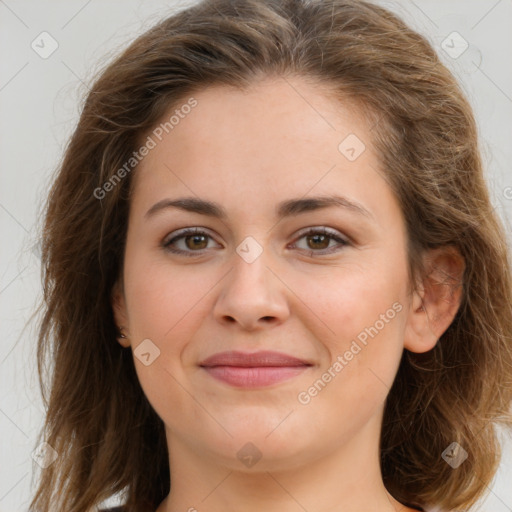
{"points": [[39, 104]]}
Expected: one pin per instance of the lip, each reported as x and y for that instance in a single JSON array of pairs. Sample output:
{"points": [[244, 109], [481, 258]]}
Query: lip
{"points": [[253, 370]]}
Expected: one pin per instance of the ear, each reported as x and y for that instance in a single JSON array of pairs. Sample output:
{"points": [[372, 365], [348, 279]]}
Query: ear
{"points": [[118, 303], [437, 299]]}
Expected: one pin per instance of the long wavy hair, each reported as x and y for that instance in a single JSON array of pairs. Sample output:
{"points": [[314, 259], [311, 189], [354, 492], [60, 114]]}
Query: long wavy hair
{"points": [[108, 438]]}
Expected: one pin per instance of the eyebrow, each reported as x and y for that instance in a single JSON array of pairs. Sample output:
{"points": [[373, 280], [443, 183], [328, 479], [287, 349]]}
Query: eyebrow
{"points": [[287, 208]]}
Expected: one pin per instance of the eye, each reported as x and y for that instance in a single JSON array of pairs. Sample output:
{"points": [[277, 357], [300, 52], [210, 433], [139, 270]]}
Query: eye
{"points": [[318, 241], [194, 241], [187, 242]]}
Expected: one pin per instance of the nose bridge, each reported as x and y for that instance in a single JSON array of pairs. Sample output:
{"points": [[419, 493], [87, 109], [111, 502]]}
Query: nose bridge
{"points": [[251, 293], [250, 267]]}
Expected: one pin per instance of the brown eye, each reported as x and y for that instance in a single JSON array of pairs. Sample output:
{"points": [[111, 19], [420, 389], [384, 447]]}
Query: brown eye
{"points": [[188, 242], [318, 241], [196, 241]]}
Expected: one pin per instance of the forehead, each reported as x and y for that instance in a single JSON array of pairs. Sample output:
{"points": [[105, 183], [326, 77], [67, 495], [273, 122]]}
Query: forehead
{"points": [[279, 135]]}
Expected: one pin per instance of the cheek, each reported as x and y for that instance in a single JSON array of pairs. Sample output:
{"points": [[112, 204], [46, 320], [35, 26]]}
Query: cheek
{"points": [[164, 304], [343, 301], [162, 297], [365, 311], [360, 319]]}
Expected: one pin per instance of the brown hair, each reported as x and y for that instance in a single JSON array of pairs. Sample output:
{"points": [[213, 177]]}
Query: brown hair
{"points": [[108, 437]]}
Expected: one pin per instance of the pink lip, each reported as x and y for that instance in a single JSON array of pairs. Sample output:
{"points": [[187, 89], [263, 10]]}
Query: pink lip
{"points": [[253, 370]]}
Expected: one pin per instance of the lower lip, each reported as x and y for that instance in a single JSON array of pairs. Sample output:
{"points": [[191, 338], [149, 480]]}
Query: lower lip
{"points": [[254, 377]]}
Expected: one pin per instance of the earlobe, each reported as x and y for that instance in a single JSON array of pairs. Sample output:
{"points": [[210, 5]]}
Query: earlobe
{"points": [[120, 315], [437, 300]]}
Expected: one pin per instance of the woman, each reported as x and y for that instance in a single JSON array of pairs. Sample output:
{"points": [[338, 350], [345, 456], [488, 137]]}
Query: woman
{"points": [[278, 210]]}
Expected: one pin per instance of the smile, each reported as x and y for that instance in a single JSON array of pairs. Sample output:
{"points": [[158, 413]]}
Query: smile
{"points": [[254, 370]]}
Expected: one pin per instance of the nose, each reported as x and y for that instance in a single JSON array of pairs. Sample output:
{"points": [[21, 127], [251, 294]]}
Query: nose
{"points": [[252, 295]]}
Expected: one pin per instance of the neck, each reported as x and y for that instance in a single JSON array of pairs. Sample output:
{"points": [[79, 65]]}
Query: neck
{"points": [[346, 478]]}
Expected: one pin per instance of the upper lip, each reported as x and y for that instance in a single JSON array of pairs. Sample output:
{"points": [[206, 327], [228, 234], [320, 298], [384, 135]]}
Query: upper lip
{"points": [[255, 359]]}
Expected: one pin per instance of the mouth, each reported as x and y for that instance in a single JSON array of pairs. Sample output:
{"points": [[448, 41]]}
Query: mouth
{"points": [[253, 370]]}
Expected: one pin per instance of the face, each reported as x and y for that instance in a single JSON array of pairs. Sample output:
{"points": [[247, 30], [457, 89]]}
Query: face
{"points": [[303, 256]]}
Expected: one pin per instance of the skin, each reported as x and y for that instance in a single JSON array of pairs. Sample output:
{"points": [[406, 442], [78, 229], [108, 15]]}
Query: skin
{"points": [[249, 150]]}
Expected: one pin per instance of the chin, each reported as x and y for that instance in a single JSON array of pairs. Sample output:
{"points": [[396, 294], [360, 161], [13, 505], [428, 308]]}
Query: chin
{"points": [[257, 447]]}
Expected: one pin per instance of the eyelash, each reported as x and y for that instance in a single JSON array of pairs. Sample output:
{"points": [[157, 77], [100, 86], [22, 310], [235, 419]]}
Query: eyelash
{"points": [[310, 231]]}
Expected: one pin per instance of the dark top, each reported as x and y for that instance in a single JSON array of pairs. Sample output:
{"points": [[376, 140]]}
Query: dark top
{"points": [[122, 509]]}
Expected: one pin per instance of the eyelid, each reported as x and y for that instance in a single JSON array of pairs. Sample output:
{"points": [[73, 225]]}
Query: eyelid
{"points": [[186, 231], [341, 239], [323, 229]]}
